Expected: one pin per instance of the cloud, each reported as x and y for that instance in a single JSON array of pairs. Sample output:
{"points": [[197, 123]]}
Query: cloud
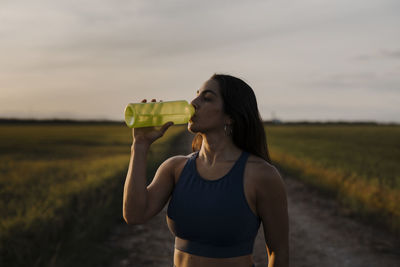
{"points": [[382, 54], [394, 54], [366, 81]]}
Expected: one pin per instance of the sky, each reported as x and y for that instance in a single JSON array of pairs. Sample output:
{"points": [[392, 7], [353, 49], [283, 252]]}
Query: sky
{"points": [[314, 60]]}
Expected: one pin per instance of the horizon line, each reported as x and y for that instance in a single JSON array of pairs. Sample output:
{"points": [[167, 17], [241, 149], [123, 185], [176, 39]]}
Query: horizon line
{"points": [[111, 121]]}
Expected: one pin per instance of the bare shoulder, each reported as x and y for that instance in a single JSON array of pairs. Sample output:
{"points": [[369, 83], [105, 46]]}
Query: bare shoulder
{"points": [[262, 170], [264, 176], [175, 164], [177, 160]]}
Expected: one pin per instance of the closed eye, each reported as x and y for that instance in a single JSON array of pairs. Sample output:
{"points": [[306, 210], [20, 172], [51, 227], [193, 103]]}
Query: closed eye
{"points": [[206, 92]]}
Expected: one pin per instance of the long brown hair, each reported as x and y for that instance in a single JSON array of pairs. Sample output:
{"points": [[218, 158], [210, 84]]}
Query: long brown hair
{"points": [[241, 105]]}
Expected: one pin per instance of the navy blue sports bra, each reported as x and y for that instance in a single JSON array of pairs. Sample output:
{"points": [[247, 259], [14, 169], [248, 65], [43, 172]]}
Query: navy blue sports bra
{"points": [[211, 218]]}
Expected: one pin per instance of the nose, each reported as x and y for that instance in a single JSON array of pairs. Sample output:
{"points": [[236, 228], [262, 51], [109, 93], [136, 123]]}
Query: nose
{"points": [[194, 103]]}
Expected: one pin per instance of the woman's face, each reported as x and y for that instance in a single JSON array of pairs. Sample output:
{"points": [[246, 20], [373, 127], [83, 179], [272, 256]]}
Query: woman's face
{"points": [[209, 115]]}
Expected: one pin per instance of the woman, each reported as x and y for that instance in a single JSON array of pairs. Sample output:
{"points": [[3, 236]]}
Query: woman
{"points": [[219, 194]]}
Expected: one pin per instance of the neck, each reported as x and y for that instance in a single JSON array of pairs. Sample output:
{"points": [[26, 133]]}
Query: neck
{"points": [[218, 148]]}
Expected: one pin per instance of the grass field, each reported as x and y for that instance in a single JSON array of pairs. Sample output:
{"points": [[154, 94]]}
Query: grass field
{"points": [[61, 185], [61, 190], [358, 164]]}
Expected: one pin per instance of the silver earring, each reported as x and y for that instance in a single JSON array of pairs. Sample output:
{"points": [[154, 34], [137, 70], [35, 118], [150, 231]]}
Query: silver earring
{"points": [[228, 130]]}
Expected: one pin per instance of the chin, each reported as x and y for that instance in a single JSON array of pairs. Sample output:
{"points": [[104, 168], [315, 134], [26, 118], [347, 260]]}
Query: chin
{"points": [[193, 128]]}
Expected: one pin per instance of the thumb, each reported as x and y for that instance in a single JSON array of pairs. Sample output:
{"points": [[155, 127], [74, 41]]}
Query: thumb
{"points": [[165, 127]]}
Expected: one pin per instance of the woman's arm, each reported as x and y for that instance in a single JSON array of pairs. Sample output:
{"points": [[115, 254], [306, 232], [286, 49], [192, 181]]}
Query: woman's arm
{"points": [[135, 192], [141, 203], [272, 208], [136, 199]]}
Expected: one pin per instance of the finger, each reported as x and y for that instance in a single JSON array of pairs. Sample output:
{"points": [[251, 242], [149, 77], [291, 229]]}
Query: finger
{"points": [[165, 127], [153, 100], [144, 101]]}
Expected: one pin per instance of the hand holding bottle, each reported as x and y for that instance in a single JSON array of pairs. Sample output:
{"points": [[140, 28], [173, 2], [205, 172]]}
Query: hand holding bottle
{"points": [[147, 135]]}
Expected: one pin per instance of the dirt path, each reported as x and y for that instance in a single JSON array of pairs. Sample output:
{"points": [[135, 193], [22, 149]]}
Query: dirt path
{"points": [[319, 236]]}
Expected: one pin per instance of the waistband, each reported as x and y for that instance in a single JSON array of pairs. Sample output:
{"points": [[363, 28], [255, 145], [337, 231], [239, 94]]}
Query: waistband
{"points": [[213, 251]]}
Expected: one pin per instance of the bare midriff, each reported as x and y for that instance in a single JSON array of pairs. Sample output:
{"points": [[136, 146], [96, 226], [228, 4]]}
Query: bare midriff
{"points": [[183, 259]]}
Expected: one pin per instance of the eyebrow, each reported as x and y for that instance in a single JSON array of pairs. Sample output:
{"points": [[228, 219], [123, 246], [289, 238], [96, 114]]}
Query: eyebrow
{"points": [[207, 91]]}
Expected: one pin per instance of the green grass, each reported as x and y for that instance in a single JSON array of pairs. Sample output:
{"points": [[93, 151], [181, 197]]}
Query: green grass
{"points": [[61, 185], [359, 165], [61, 191]]}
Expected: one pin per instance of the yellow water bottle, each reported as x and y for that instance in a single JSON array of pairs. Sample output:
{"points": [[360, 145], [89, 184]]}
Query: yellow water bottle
{"points": [[157, 113]]}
